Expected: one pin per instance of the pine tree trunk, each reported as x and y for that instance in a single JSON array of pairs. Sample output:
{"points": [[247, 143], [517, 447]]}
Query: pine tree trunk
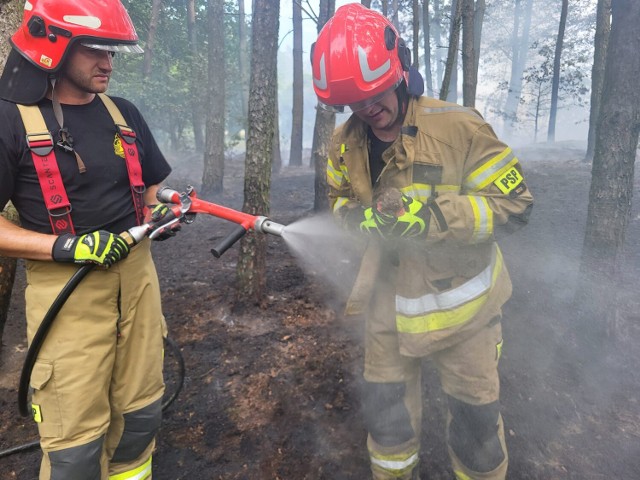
{"points": [[612, 177], [600, 44], [322, 131], [262, 117], [295, 150], [213, 171]]}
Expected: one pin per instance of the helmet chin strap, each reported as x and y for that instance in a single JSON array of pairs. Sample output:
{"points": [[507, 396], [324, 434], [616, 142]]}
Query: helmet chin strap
{"points": [[66, 140]]}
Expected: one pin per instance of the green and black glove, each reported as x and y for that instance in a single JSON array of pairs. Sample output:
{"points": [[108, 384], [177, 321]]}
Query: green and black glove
{"points": [[411, 221], [99, 247], [363, 219], [155, 214]]}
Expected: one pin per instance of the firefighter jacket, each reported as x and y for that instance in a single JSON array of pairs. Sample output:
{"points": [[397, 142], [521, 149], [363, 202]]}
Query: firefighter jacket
{"points": [[454, 281]]}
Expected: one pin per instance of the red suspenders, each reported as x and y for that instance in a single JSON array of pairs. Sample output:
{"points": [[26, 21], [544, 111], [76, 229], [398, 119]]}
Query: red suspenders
{"points": [[41, 144]]}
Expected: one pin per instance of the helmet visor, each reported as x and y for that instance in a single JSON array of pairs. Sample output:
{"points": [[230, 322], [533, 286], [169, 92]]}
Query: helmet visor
{"points": [[361, 105], [114, 47]]}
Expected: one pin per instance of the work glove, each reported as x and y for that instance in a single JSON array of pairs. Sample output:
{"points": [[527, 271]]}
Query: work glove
{"points": [[99, 247], [361, 219], [411, 221], [155, 214], [395, 214]]}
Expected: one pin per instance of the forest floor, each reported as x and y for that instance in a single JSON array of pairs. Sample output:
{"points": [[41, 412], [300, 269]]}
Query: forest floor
{"points": [[271, 391]]}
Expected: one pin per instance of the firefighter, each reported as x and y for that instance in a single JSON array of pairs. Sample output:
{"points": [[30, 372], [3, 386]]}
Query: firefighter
{"points": [[80, 167], [432, 187]]}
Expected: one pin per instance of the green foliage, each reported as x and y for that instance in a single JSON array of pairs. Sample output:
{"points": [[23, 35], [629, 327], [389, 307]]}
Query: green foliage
{"points": [[165, 97]]}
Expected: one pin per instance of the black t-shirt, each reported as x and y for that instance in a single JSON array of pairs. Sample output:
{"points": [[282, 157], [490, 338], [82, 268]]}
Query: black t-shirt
{"points": [[100, 197], [376, 149]]}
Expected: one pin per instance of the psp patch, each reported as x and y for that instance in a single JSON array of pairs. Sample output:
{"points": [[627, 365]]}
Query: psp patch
{"points": [[510, 181]]}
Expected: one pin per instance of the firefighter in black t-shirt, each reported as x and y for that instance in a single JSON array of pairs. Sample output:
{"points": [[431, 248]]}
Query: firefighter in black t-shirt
{"points": [[80, 167]]}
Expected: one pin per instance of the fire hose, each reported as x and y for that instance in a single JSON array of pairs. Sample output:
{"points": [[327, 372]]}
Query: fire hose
{"points": [[183, 207]]}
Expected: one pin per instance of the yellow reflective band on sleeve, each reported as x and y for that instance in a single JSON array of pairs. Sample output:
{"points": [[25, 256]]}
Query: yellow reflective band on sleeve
{"points": [[339, 203], [36, 412], [499, 349], [138, 473], [490, 170], [483, 218], [335, 177], [397, 464], [433, 312], [509, 180], [343, 148]]}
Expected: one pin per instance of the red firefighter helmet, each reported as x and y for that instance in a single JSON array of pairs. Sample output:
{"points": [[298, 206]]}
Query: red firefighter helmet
{"points": [[50, 26], [357, 58], [48, 29]]}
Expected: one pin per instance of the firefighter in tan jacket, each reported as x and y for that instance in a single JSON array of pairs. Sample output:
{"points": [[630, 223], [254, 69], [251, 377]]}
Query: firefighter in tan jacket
{"points": [[433, 187]]}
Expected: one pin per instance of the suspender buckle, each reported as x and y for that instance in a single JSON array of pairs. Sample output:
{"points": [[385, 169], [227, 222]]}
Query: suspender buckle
{"points": [[60, 211], [40, 144], [127, 134]]}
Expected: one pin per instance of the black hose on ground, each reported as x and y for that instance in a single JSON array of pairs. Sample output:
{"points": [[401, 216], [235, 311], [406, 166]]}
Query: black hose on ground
{"points": [[175, 349]]}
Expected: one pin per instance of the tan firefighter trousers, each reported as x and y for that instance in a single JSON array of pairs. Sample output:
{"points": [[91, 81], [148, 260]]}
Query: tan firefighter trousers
{"points": [[467, 370], [101, 360]]}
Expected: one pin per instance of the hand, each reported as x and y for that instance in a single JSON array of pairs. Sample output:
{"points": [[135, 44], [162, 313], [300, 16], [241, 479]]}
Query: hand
{"points": [[397, 215], [99, 247], [361, 219], [155, 214], [411, 221]]}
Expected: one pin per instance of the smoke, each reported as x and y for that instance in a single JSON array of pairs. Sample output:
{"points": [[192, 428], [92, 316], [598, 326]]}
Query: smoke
{"points": [[326, 250]]}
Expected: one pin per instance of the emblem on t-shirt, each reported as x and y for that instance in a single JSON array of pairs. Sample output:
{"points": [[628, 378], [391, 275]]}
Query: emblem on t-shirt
{"points": [[117, 146]]}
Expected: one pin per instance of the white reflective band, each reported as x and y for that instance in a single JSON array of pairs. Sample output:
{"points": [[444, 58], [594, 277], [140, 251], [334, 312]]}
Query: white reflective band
{"points": [[483, 218], [450, 299], [369, 74], [321, 82], [395, 464], [88, 21]]}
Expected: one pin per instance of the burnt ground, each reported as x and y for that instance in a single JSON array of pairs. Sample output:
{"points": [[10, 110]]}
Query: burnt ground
{"points": [[272, 392]]}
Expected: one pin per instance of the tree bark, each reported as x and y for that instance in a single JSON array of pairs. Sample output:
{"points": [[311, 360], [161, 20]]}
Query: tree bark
{"points": [[454, 38], [213, 171], [149, 47], [322, 131], [437, 39], [478, 19], [243, 61], [195, 79], [251, 267], [415, 22], [555, 83], [428, 75], [611, 189], [469, 75], [600, 45], [297, 114], [519, 50]]}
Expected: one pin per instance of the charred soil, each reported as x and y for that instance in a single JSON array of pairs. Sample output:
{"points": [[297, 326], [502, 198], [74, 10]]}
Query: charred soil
{"points": [[271, 391]]}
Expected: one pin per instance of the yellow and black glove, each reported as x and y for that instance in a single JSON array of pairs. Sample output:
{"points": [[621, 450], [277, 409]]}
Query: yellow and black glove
{"points": [[155, 214], [99, 247], [412, 221]]}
